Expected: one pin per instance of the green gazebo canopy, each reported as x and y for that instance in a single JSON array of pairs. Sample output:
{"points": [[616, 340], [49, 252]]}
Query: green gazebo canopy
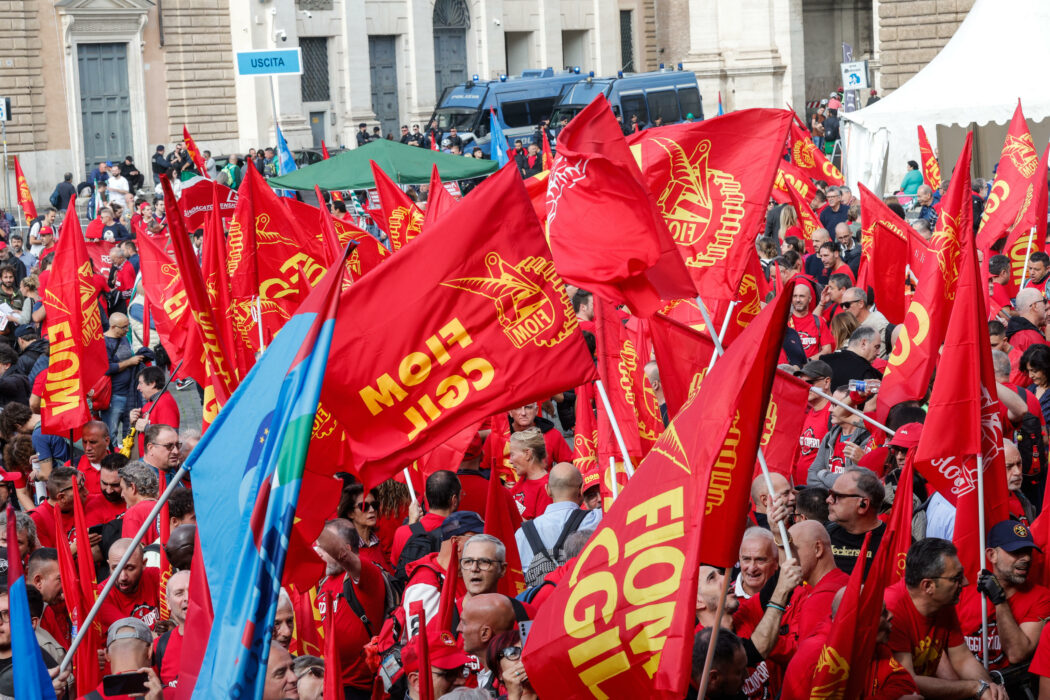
{"points": [[406, 165]]}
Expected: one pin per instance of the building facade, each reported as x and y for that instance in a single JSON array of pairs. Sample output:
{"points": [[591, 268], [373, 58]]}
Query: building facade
{"points": [[93, 80]]}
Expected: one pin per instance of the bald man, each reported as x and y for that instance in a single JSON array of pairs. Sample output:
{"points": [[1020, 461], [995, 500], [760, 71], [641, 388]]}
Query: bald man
{"points": [[167, 649], [763, 503], [812, 605], [137, 591], [483, 617], [652, 373], [1026, 328], [560, 519]]}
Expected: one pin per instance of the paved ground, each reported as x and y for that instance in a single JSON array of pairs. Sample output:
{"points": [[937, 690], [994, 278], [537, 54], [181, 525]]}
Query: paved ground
{"points": [[189, 405]]}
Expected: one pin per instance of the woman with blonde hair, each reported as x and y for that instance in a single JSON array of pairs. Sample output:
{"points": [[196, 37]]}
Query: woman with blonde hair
{"points": [[528, 456], [789, 223], [842, 326]]}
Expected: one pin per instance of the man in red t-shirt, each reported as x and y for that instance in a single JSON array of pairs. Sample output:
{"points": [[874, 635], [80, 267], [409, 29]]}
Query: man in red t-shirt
{"points": [[814, 333], [443, 491], [528, 456], [96, 446], [138, 486], [925, 625], [137, 591], [345, 573], [109, 504], [167, 649], [813, 603], [831, 255], [158, 409], [1017, 608], [43, 573], [1001, 305], [817, 374], [64, 484]]}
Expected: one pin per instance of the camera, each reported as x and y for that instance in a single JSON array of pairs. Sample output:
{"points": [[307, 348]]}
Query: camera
{"points": [[283, 35]]}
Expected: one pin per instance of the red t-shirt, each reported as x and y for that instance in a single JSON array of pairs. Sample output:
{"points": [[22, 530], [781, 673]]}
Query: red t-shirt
{"points": [[531, 497], [135, 516], [813, 332], [144, 603], [56, 621], [495, 456], [99, 510], [168, 672], [386, 526], [813, 603], [1000, 297], [844, 269], [430, 521], [1028, 605], [92, 475], [925, 638], [474, 494], [892, 681], [798, 676], [375, 555], [44, 518], [351, 634], [814, 428], [1040, 664]]}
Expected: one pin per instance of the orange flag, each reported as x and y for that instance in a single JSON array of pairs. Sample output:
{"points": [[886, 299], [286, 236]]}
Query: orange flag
{"points": [[931, 169], [74, 329], [399, 217], [685, 505], [25, 197], [195, 154], [917, 350], [809, 159]]}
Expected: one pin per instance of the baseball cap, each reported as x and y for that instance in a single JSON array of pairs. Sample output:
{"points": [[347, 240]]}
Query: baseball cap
{"points": [[442, 648], [129, 628], [16, 479], [24, 330], [460, 523], [591, 478], [907, 436], [815, 369], [1011, 536]]}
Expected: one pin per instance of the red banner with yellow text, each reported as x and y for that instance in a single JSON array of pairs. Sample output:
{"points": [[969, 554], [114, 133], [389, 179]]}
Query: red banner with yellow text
{"points": [[1015, 180], [931, 169], [809, 159], [399, 217], [790, 177], [1028, 230], [25, 197]]}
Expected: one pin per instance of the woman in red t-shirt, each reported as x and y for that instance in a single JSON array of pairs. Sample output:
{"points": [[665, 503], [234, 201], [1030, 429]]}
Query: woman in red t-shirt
{"points": [[528, 456], [361, 509]]}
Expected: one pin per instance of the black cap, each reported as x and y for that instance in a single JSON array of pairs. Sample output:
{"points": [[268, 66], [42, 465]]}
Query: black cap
{"points": [[460, 523], [1011, 536], [815, 369], [25, 329]]}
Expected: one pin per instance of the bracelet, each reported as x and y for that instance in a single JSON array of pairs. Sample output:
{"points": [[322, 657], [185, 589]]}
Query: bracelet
{"points": [[771, 604]]}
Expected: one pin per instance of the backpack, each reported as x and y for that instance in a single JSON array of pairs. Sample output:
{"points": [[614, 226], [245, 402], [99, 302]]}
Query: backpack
{"points": [[1029, 438], [543, 560], [54, 199], [420, 544]]}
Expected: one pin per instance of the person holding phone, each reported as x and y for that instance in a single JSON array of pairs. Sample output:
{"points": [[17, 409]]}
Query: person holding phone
{"points": [[128, 653]]}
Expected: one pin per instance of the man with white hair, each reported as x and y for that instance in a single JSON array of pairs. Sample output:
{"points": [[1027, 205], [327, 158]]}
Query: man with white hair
{"points": [[758, 562], [1026, 328]]}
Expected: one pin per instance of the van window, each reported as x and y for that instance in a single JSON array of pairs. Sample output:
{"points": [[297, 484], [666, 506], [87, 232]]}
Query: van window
{"points": [[634, 105], [689, 97], [664, 103], [527, 112]]}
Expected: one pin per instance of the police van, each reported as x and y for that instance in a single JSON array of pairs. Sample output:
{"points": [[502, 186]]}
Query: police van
{"points": [[671, 95], [521, 104]]}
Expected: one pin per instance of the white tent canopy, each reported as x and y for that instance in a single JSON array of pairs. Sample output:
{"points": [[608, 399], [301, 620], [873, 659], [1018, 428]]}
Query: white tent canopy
{"points": [[997, 55]]}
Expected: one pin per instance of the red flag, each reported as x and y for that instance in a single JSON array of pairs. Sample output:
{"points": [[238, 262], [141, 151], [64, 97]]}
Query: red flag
{"points": [[326, 225], [195, 202], [25, 197], [86, 583], [785, 416], [502, 522], [884, 254], [809, 159], [74, 329], [217, 283], [1028, 230], [595, 179], [85, 659], [195, 154], [917, 350], [164, 612], [536, 186], [1014, 184], [221, 378], [790, 177], [712, 181], [446, 612], [687, 503], [333, 672], [399, 217], [306, 641], [439, 200], [434, 142], [931, 169], [368, 253], [548, 157], [807, 220], [199, 618], [426, 680], [585, 438], [267, 248], [336, 195], [682, 354], [479, 308]]}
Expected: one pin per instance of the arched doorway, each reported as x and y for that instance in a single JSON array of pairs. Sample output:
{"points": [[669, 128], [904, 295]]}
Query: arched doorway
{"points": [[451, 22]]}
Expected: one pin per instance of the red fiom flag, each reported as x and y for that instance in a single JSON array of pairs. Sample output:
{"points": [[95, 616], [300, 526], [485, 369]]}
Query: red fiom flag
{"points": [[809, 159], [711, 181], [306, 641], [785, 417], [884, 256], [790, 177], [217, 283], [682, 354], [366, 255], [917, 350], [642, 561], [399, 216], [931, 169], [1028, 232], [807, 220], [480, 307], [25, 197], [439, 200], [74, 329], [585, 438], [1014, 187], [595, 179], [195, 154], [502, 522]]}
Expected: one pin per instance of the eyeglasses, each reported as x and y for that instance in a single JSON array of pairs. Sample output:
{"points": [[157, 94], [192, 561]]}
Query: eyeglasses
{"points": [[510, 653], [957, 579], [5, 616], [366, 506], [169, 446], [451, 674], [835, 495], [481, 564], [314, 671]]}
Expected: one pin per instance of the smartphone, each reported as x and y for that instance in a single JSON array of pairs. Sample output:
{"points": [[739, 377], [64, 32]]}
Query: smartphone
{"points": [[125, 683], [97, 529]]}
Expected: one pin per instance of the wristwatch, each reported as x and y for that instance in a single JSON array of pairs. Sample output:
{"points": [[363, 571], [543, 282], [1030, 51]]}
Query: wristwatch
{"points": [[985, 685]]}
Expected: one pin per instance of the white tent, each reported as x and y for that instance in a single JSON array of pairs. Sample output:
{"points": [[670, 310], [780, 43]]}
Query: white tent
{"points": [[997, 55]]}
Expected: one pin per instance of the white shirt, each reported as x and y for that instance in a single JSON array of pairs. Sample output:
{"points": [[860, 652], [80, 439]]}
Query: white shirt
{"points": [[118, 187], [549, 527]]}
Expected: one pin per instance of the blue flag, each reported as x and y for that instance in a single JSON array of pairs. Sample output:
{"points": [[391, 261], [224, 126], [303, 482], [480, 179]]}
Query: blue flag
{"points": [[249, 466], [32, 681], [285, 161], [720, 110], [498, 147]]}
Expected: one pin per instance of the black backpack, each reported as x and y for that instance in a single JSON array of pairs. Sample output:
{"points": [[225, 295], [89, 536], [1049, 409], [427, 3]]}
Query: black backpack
{"points": [[420, 544], [543, 560], [1029, 438]]}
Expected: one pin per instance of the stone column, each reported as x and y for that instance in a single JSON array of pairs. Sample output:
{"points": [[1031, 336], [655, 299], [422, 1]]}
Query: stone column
{"points": [[356, 79]]}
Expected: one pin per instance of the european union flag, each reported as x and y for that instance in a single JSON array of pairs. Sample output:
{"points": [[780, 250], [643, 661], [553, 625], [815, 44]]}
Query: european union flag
{"points": [[499, 141], [259, 442], [32, 680]]}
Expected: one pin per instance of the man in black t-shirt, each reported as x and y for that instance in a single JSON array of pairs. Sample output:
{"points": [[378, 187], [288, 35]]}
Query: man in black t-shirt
{"points": [[853, 510]]}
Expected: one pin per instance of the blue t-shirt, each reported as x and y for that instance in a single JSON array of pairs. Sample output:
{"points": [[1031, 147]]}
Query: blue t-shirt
{"points": [[50, 447]]}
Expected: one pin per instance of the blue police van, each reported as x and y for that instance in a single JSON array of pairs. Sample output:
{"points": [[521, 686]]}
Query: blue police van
{"points": [[670, 95], [522, 103]]}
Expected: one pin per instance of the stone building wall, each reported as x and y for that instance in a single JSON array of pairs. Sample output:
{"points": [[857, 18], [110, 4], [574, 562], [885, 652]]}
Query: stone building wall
{"points": [[912, 32]]}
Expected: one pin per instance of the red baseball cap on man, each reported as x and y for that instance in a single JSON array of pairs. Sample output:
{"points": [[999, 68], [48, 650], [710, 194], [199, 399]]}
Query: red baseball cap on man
{"points": [[906, 436], [444, 652]]}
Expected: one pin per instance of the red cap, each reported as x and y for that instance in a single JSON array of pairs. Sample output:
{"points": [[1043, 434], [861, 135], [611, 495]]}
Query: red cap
{"points": [[591, 478], [16, 479], [2, 245], [907, 436], [444, 651]]}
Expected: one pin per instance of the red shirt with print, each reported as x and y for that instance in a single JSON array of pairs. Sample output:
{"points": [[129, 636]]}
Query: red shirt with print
{"points": [[351, 634], [531, 497], [925, 638], [814, 428], [1028, 604], [144, 603], [813, 332]]}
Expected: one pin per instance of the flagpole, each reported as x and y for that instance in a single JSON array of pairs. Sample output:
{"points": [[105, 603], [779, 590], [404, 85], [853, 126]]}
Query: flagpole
{"points": [[256, 313], [627, 466], [615, 485], [85, 624], [1027, 252], [710, 658], [411, 489], [719, 351], [722, 333], [854, 411], [981, 541]]}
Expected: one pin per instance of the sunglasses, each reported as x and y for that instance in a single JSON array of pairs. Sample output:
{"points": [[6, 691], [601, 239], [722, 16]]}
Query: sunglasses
{"points": [[451, 674], [366, 506]]}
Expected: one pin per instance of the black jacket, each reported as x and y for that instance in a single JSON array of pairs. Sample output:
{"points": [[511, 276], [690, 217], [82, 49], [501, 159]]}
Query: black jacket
{"points": [[27, 359], [1016, 324], [14, 386]]}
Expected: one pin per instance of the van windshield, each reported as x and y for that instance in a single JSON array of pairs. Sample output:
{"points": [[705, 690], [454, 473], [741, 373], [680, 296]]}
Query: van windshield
{"points": [[462, 119]]}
